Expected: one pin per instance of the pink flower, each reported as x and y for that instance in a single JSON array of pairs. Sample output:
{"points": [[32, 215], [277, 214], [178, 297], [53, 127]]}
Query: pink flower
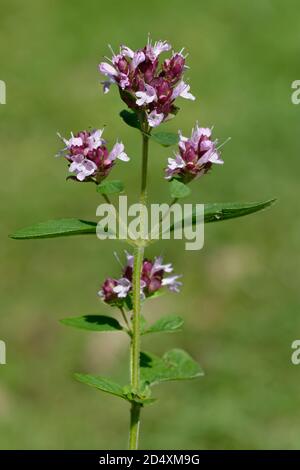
{"points": [[182, 89], [154, 51], [122, 287], [118, 152], [195, 157], [145, 83], [172, 283], [88, 156], [154, 118], [108, 70], [82, 167], [137, 59], [146, 96]]}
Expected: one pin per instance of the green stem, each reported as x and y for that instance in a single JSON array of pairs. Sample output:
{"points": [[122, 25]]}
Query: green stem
{"points": [[135, 346], [143, 198], [106, 199], [136, 320], [134, 426], [136, 292]]}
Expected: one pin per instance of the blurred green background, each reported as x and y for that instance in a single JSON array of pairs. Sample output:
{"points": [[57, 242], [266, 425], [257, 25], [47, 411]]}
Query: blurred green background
{"points": [[240, 298]]}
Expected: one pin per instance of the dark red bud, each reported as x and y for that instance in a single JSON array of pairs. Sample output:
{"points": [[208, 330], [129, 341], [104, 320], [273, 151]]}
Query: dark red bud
{"points": [[122, 65], [107, 290]]}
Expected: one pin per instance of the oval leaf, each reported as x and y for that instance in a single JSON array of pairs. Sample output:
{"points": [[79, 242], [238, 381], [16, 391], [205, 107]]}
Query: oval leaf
{"points": [[93, 323], [110, 187], [179, 190], [174, 365], [165, 138], [56, 228], [102, 383], [130, 118], [167, 324]]}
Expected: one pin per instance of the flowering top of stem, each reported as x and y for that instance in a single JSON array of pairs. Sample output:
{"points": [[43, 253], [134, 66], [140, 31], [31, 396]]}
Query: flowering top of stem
{"points": [[88, 157], [194, 157], [153, 278], [145, 84]]}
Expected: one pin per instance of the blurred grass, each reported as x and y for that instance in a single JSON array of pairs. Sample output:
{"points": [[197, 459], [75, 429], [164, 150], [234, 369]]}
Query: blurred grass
{"points": [[241, 297]]}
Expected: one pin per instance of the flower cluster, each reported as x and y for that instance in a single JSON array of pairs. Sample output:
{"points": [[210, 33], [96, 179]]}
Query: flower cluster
{"points": [[145, 84], [195, 157], [115, 291], [88, 156]]}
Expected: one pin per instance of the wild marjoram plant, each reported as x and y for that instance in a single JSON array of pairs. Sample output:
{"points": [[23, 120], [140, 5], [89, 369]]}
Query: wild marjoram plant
{"points": [[150, 87]]}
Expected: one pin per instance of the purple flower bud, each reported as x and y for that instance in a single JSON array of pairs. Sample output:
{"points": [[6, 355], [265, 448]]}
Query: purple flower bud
{"points": [[148, 69], [122, 65], [152, 279], [163, 90], [173, 68], [107, 290]]}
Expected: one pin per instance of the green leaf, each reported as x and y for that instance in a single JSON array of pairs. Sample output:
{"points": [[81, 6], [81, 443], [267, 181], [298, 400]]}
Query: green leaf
{"points": [[130, 118], [165, 138], [167, 324], [174, 365], [56, 228], [179, 190], [217, 212], [223, 211], [102, 383], [93, 323], [110, 187]]}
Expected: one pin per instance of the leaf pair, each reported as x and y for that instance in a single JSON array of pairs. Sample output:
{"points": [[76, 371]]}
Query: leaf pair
{"points": [[213, 212], [166, 324], [174, 365]]}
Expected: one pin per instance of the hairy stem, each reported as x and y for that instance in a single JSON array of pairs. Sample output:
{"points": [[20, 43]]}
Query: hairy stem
{"points": [[136, 290], [136, 320], [134, 426], [135, 347], [143, 198]]}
